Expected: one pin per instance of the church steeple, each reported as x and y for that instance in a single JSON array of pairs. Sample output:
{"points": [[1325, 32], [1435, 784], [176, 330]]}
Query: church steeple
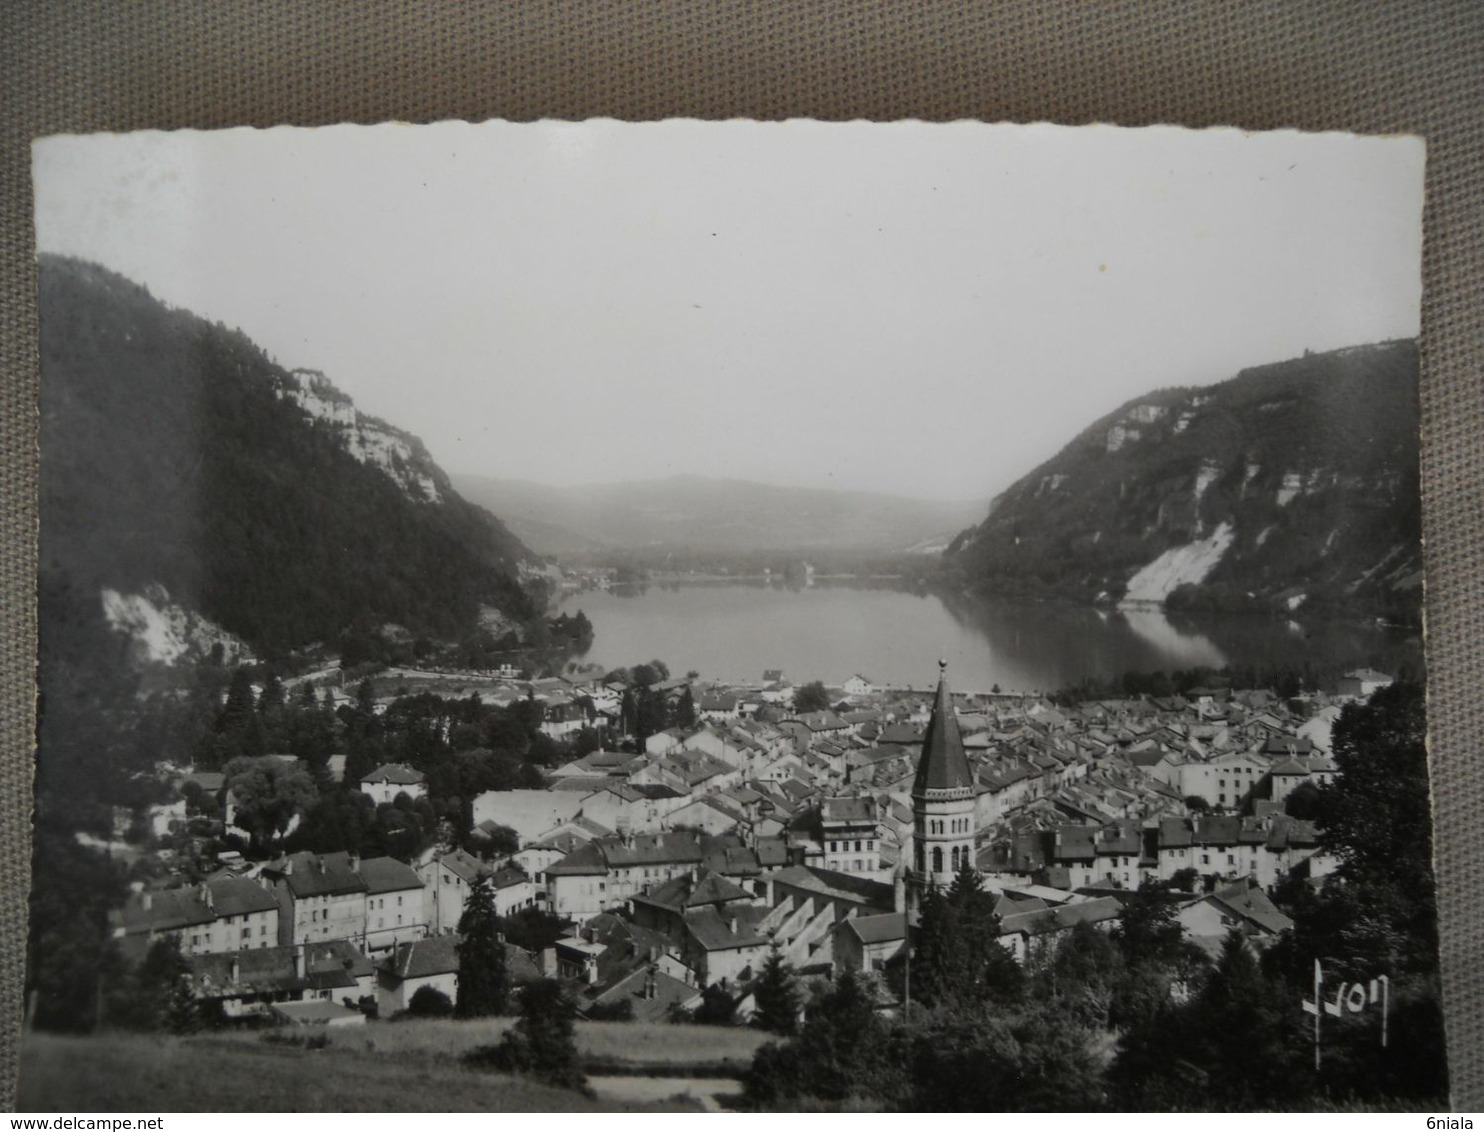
{"points": [[943, 803], [943, 765]]}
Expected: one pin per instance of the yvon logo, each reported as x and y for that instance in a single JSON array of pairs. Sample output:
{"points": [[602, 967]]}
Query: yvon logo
{"points": [[1351, 998]]}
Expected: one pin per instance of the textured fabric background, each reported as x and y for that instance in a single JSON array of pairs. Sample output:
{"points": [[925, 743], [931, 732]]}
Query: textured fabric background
{"points": [[1320, 65]]}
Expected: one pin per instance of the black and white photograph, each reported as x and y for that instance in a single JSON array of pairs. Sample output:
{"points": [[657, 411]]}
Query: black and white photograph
{"points": [[731, 616]]}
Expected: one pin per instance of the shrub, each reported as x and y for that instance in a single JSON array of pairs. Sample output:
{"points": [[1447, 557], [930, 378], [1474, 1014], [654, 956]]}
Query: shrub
{"points": [[429, 1002], [542, 1044]]}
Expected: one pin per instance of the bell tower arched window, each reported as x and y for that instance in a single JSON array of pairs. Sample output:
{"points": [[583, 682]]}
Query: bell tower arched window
{"points": [[937, 858]]}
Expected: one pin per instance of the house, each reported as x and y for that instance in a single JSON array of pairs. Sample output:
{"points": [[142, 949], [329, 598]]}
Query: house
{"points": [[1363, 683], [446, 880], [1216, 846], [858, 685], [849, 835], [563, 720], [387, 781], [396, 903], [536, 857], [662, 741], [1035, 932], [227, 914], [514, 889], [320, 897], [719, 931], [1226, 781], [709, 815], [431, 962], [643, 807], [649, 994], [718, 706], [866, 943], [608, 871], [1242, 905], [246, 984], [725, 943]]}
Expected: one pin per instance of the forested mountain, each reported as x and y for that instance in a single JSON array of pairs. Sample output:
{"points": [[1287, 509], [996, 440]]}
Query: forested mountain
{"points": [[710, 514], [1291, 487], [192, 487]]}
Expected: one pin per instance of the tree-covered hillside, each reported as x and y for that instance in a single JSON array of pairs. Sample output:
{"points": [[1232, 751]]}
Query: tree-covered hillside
{"points": [[1290, 487], [175, 453]]}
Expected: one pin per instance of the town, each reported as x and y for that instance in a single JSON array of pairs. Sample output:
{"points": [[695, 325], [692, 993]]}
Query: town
{"points": [[705, 828]]}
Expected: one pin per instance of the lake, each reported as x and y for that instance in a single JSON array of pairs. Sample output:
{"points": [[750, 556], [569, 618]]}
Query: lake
{"points": [[733, 631]]}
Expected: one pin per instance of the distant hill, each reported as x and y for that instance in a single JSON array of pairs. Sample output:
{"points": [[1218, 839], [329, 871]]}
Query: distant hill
{"points": [[193, 486], [702, 513], [1291, 487]]}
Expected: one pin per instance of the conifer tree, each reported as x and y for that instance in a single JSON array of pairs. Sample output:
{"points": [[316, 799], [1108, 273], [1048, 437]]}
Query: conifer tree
{"points": [[484, 982], [959, 962], [776, 996], [685, 709]]}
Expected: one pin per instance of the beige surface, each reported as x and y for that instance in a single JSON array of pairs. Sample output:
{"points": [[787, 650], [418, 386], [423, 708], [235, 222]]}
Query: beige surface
{"points": [[1325, 64]]}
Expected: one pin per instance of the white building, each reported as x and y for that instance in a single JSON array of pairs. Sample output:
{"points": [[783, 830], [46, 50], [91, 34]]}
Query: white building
{"points": [[385, 782]]}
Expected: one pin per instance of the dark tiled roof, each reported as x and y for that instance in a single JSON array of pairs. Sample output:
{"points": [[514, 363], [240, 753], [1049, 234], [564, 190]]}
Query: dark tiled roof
{"points": [[693, 892], [331, 965], [586, 860], [1062, 917], [1074, 843], [184, 907], [462, 864], [1252, 904], [847, 810], [846, 886], [387, 874], [436, 955], [632, 988], [398, 774], [879, 929], [943, 765], [721, 929], [327, 874]]}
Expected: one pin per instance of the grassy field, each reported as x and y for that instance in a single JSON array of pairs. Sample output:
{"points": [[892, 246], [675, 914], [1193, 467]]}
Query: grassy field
{"points": [[646, 1044], [380, 1069]]}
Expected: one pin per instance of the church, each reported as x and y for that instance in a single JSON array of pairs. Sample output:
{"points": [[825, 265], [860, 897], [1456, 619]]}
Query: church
{"points": [[943, 823]]}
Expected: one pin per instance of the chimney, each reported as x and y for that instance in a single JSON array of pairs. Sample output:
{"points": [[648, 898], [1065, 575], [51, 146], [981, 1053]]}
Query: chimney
{"points": [[650, 989], [300, 968], [207, 898], [354, 861], [236, 970]]}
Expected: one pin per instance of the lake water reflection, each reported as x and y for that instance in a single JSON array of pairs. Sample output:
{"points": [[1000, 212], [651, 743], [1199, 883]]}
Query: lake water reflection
{"points": [[735, 631]]}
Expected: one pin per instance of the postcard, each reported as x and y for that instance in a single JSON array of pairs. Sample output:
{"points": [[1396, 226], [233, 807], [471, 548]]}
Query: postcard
{"points": [[763, 616]]}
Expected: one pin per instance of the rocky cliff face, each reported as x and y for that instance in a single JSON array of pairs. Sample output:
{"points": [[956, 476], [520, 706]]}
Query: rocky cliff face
{"points": [[1292, 487], [396, 454]]}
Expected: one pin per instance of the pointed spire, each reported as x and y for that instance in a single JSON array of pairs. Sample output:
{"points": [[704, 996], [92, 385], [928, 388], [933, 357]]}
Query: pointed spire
{"points": [[943, 765]]}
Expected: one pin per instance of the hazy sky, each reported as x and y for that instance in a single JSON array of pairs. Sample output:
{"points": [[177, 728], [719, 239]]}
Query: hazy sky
{"points": [[928, 310]]}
